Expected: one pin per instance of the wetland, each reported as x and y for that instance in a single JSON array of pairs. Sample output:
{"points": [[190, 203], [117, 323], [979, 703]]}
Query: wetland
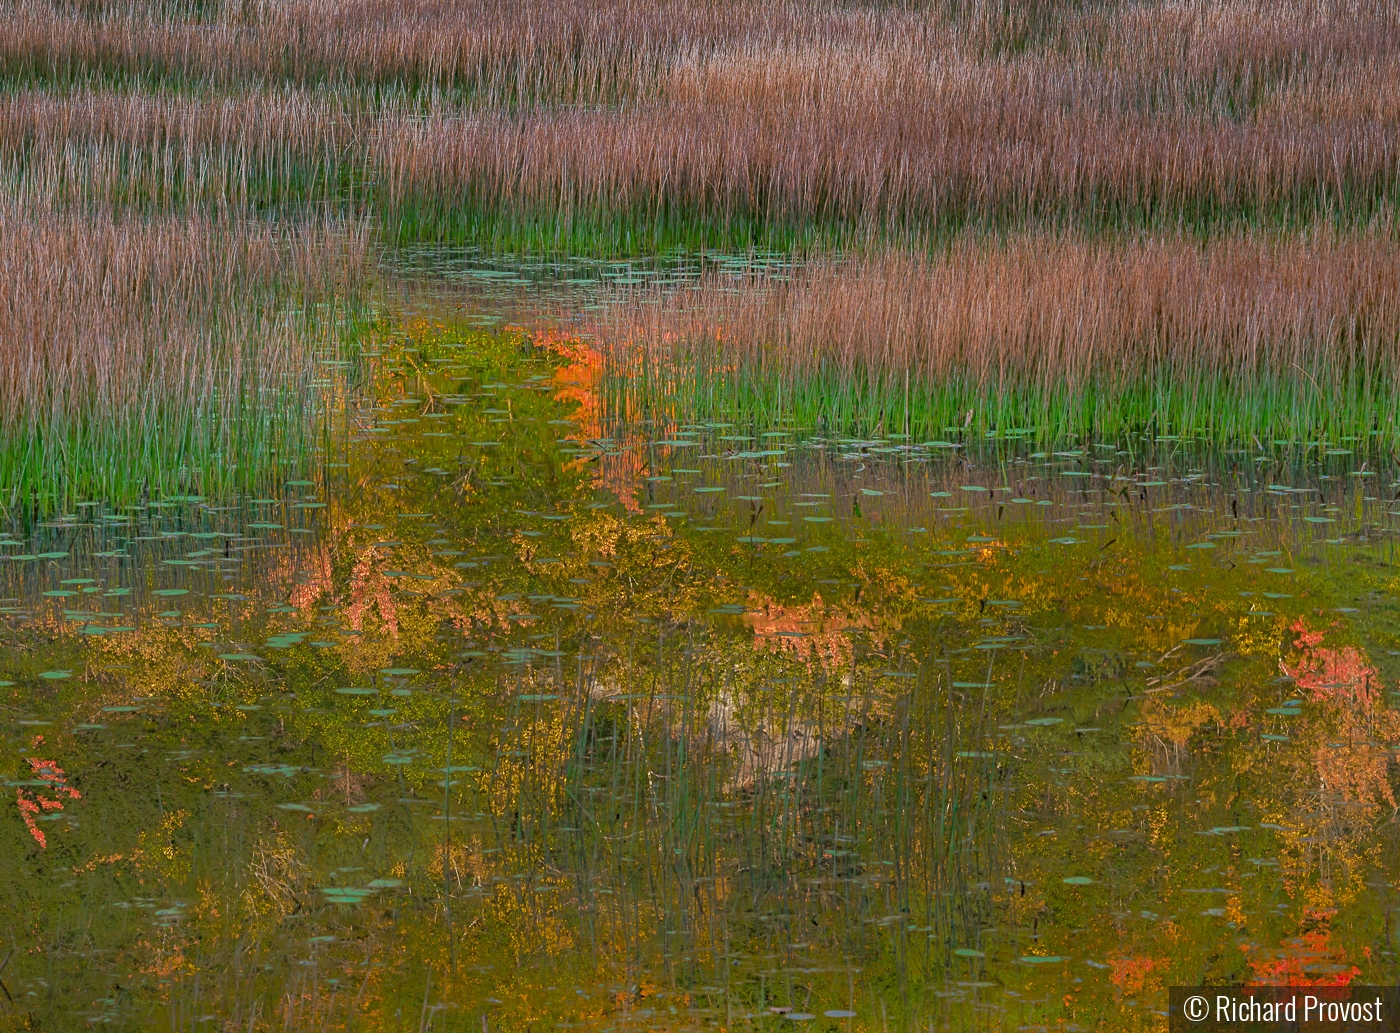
{"points": [[499, 713], [648, 515]]}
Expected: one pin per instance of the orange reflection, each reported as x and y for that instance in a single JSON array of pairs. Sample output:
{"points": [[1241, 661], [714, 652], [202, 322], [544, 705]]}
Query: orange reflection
{"points": [[814, 631], [1349, 765], [1311, 959], [1130, 974], [618, 470], [31, 804], [369, 586]]}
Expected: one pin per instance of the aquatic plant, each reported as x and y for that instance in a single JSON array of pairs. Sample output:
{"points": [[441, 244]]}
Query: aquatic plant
{"points": [[919, 142], [637, 124], [173, 356], [1250, 336], [747, 749]]}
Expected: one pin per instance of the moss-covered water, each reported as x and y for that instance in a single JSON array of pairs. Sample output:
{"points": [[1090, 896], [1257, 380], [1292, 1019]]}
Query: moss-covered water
{"points": [[507, 713]]}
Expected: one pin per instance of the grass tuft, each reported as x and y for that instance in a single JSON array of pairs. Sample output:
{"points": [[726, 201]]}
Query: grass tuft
{"points": [[1253, 336], [176, 356]]}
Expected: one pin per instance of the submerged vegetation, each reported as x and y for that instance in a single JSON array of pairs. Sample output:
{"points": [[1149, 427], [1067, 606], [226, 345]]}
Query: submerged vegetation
{"points": [[513, 716]]}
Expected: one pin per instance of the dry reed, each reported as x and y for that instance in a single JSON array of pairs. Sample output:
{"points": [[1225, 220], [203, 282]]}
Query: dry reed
{"points": [[232, 153], [1243, 336], [502, 53], [884, 119], [178, 353], [1064, 126], [758, 112]]}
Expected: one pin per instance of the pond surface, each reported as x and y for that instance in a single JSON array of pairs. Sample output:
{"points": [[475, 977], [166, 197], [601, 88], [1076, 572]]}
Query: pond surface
{"points": [[503, 715]]}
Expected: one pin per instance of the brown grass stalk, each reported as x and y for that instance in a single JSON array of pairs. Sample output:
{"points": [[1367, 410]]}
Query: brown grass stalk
{"points": [[912, 117], [1070, 129], [152, 338], [1064, 316], [506, 53], [233, 153]]}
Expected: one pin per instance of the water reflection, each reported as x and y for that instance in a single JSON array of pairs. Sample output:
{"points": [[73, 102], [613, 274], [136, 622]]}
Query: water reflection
{"points": [[511, 713], [485, 288]]}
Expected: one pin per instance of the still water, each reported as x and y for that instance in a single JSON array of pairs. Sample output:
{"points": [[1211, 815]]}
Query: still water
{"points": [[506, 713]]}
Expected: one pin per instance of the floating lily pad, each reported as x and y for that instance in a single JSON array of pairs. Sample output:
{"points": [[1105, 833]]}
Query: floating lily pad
{"points": [[345, 894]]}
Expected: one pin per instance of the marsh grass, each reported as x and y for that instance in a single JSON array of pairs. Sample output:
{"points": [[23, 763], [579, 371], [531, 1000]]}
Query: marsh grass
{"points": [[260, 153], [1249, 337], [581, 120], [176, 356], [908, 134]]}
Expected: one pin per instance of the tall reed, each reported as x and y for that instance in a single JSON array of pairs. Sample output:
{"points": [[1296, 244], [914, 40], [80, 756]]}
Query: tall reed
{"points": [[578, 52], [265, 152], [175, 355], [921, 137], [1248, 336], [755, 117], [1254, 143]]}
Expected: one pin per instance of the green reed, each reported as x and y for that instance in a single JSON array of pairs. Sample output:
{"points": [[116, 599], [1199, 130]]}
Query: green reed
{"points": [[1226, 410], [171, 357]]}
